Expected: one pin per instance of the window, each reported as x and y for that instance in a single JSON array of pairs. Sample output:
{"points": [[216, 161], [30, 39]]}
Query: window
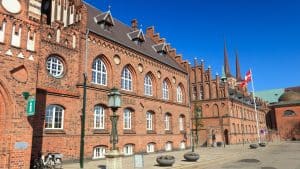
{"points": [[289, 113], [150, 148], [149, 118], [99, 152], [127, 119], [55, 66], [128, 149], [99, 117], [168, 146], [182, 145], [179, 94], [148, 85], [201, 96], [54, 117], [126, 81], [181, 123], [167, 121], [99, 74], [165, 90]]}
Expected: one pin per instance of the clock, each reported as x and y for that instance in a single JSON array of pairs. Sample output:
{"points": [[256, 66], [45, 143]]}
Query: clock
{"points": [[11, 6]]}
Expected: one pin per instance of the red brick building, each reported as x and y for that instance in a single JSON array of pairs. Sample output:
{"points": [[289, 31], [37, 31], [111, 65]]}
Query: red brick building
{"points": [[46, 47], [228, 113]]}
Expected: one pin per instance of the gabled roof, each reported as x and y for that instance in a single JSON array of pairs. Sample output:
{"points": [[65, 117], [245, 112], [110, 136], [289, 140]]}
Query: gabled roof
{"points": [[137, 35], [118, 33], [104, 18]]}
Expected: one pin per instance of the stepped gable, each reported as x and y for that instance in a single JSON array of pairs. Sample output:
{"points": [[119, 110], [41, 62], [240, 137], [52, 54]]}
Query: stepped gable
{"points": [[119, 34]]}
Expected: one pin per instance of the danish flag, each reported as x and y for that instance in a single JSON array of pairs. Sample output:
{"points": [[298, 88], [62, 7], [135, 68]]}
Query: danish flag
{"points": [[248, 78]]}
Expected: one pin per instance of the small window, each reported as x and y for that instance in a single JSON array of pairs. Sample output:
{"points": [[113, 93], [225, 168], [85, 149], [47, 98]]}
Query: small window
{"points": [[99, 152], [181, 123], [127, 119], [167, 122], [179, 94], [54, 117], [55, 66], [150, 148], [182, 145], [149, 118], [165, 90], [148, 85], [99, 73], [99, 117], [289, 113], [168, 146], [128, 149], [126, 79]]}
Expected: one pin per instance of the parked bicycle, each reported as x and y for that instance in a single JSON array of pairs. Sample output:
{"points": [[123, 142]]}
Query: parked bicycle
{"points": [[50, 161]]}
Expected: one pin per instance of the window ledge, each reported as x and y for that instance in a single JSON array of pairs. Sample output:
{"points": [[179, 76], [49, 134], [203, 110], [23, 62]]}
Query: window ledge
{"points": [[129, 132], [54, 131], [168, 132], [100, 131], [151, 132], [182, 131]]}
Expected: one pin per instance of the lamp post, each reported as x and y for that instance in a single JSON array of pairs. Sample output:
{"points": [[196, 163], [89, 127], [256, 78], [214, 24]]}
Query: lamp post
{"points": [[114, 157], [114, 102]]}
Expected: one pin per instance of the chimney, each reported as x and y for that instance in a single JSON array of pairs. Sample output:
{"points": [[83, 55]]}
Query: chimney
{"points": [[150, 31], [134, 24]]}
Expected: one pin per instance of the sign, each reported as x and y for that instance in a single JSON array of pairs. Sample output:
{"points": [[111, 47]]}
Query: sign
{"points": [[21, 145], [138, 161], [30, 110]]}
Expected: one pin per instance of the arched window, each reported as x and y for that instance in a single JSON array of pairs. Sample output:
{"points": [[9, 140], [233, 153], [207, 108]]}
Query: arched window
{"points": [[99, 73], [150, 147], [215, 110], [126, 80], [54, 117], [99, 117], [182, 145], [165, 90], [168, 146], [149, 119], [168, 121], [127, 119], [181, 122], [289, 113], [128, 149], [148, 85], [55, 66], [99, 152], [179, 95]]}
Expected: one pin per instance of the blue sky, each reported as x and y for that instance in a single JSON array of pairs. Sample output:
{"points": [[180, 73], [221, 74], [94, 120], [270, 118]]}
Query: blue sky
{"points": [[266, 33]]}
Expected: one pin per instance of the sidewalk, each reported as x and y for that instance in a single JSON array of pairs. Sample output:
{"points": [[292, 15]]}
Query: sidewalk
{"points": [[208, 155]]}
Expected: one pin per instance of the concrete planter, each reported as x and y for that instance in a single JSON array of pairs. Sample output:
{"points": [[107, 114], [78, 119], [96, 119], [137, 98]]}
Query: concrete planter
{"points": [[253, 146], [191, 156], [165, 160]]}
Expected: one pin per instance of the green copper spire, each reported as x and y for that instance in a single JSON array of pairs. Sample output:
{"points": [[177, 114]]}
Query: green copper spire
{"points": [[223, 77]]}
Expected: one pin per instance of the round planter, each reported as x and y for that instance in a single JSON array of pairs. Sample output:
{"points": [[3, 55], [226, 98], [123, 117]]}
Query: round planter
{"points": [[253, 146], [191, 156], [262, 144], [165, 160]]}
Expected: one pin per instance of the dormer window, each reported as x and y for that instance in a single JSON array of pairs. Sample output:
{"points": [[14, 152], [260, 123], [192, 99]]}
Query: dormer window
{"points": [[105, 20], [161, 48], [137, 36]]}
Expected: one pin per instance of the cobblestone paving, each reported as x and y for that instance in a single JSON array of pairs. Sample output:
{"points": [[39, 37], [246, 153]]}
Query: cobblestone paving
{"points": [[275, 156]]}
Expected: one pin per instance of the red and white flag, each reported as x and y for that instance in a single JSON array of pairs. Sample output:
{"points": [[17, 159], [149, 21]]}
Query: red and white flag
{"points": [[248, 78]]}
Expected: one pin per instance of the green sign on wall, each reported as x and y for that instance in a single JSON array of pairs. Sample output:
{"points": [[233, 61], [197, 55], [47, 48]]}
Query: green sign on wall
{"points": [[30, 110]]}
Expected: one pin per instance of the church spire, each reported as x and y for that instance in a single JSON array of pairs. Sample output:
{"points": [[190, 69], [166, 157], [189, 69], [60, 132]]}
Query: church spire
{"points": [[226, 63], [237, 66]]}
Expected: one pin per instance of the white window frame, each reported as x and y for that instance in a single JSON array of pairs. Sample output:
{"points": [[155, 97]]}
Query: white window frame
{"points": [[127, 119], [99, 115], [148, 86], [167, 121], [168, 146], [149, 121], [182, 145], [99, 72], [126, 79], [55, 66], [99, 152], [165, 90], [150, 148], [128, 149], [179, 94], [181, 123], [51, 113]]}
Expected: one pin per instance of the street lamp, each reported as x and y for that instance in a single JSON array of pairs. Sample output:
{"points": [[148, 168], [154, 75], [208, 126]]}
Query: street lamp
{"points": [[114, 102], [197, 116]]}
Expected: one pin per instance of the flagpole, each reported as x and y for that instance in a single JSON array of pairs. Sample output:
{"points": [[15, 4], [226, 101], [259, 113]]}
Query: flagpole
{"points": [[256, 116]]}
